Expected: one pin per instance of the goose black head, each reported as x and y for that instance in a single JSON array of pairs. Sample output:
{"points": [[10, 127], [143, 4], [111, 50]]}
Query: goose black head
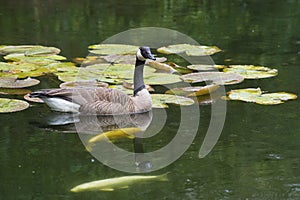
{"points": [[144, 53]]}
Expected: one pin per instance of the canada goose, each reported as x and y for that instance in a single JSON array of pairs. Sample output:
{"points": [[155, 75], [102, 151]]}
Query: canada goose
{"points": [[103, 101]]}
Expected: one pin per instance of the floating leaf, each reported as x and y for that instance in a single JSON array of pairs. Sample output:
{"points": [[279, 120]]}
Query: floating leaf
{"points": [[161, 100], [8, 82], [10, 91], [205, 67], [218, 78], [190, 50], [29, 50], [83, 84], [108, 49], [255, 95], [180, 69], [12, 105], [251, 71], [161, 66], [38, 60], [194, 91]]}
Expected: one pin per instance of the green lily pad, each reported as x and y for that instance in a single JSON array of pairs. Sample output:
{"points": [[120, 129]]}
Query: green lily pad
{"points": [[162, 100], [205, 67], [251, 71], [12, 105], [83, 84], [38, 60], [8, 82], [193, 91], [10, 91], [190, 50], [29, 50], [126, 59], [255, 95], [218, 78], [108, 49]]}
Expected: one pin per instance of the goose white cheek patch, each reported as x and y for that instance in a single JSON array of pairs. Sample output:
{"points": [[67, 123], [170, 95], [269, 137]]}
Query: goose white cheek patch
{"points": [[140, 56]]}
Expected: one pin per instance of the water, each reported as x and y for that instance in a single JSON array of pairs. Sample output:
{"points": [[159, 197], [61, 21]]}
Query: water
{"points": [[257, 155]]}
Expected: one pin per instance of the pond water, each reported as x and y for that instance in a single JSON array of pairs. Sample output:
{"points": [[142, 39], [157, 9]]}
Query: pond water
{"points": [[257, 154]]}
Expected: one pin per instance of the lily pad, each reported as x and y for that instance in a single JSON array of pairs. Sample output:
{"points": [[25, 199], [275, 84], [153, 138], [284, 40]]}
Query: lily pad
{"points": [[162, 100], [205, 67], [218, 78], [83, 84], [161, 66], [194, 91], [38, 60], [8, 82], [251, 71], [180, 69], [12, 105], [255, 95], [108, 49], [10, 91], [190, 50], [29, 50]]}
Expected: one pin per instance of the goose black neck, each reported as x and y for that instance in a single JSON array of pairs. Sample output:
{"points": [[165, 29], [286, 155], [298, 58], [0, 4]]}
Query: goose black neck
{"points": [[138, 78]]}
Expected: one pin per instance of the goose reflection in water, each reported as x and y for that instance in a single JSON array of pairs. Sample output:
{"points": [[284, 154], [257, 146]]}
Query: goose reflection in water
{"points": [[99, 132]]}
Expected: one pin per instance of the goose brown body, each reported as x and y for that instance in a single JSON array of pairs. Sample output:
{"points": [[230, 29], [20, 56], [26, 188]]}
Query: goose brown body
{"points": [[102, 101]]}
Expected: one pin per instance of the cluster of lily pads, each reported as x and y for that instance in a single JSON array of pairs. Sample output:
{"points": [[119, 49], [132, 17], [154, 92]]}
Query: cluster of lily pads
{"points": [[112, 65]]}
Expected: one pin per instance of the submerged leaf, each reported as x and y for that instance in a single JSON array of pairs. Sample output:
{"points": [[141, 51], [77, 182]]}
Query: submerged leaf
{"points": [[255, 95], [8, 82], [251, 71], [194, 91], [12, 105], [107, 49], [161, 100], [218, 78], [190, 50]]}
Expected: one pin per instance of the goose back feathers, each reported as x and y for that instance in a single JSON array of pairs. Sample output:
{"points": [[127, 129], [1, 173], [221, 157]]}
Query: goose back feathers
{"points": [[102, 101]]}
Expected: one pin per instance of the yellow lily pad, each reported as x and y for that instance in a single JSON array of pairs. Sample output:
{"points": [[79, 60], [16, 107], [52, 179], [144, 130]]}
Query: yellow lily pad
{"points": [[205, 67], [255, 95], [108, 49], [161, 66], [9, 82], [251, 71], [162, 100], [218, 78], [10, 91], [190, 50], [12, 105], [193, 91]]}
